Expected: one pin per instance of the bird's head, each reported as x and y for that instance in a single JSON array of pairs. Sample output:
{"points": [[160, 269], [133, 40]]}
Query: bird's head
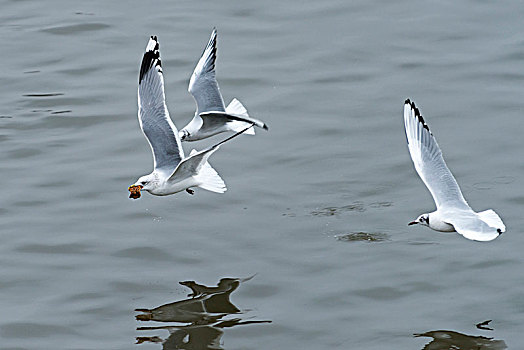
{"points": [[422, 220], [143, 183]]}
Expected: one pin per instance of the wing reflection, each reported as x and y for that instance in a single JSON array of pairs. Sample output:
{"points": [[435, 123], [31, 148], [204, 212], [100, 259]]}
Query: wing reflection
{"points": [[205, 314], [445, 340]]}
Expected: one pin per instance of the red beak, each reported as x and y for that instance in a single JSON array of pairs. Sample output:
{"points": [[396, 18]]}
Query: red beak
{"points": [[412, 223]]}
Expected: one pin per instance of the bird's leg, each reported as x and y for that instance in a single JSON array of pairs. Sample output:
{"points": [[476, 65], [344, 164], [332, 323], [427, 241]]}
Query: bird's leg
{"points": [[190, 191]]}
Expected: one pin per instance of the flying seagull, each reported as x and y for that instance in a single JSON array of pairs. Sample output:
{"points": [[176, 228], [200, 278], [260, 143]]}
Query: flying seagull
{"points": [[211, 116], [453, 212], [173, 172]]}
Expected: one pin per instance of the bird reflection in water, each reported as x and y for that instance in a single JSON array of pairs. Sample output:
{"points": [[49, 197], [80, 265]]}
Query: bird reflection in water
{"points": [[204, 314], [446, 340]]}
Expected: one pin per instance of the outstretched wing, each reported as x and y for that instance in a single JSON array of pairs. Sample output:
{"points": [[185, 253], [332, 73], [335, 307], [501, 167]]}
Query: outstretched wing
{"points": [[428, 161], [203, 85], [153, 115]]}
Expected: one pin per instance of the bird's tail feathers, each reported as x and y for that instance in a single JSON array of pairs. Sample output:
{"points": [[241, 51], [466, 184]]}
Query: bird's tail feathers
{"points": [[210, 180], [237, 108]]}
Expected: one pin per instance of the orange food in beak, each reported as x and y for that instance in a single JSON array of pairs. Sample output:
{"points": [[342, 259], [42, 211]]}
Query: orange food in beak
{"points": [[134, 191]]}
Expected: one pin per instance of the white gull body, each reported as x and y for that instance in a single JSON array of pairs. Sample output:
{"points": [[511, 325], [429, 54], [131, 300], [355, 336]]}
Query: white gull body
{"points": [[172, 171], [453, 212], [211, 115]]}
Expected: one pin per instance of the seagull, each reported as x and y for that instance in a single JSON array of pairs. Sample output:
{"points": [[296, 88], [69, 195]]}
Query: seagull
{"points": [[453, 213], [173, 172], [211, 116]]}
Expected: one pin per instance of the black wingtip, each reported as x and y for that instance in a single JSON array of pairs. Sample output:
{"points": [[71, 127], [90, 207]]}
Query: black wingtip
{"points": [[417, 113], [212, 43], [151, 58], [157, 46], [265, 127]]}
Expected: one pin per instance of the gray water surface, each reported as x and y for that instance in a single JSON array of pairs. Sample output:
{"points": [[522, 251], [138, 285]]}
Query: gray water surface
{"points": [[317, 207]]}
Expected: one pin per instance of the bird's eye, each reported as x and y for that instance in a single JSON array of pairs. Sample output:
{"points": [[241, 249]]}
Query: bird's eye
{"points": [[143, 183]]}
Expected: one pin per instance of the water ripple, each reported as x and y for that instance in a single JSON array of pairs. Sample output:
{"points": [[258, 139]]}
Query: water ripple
{"points": [[76, 28]]}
